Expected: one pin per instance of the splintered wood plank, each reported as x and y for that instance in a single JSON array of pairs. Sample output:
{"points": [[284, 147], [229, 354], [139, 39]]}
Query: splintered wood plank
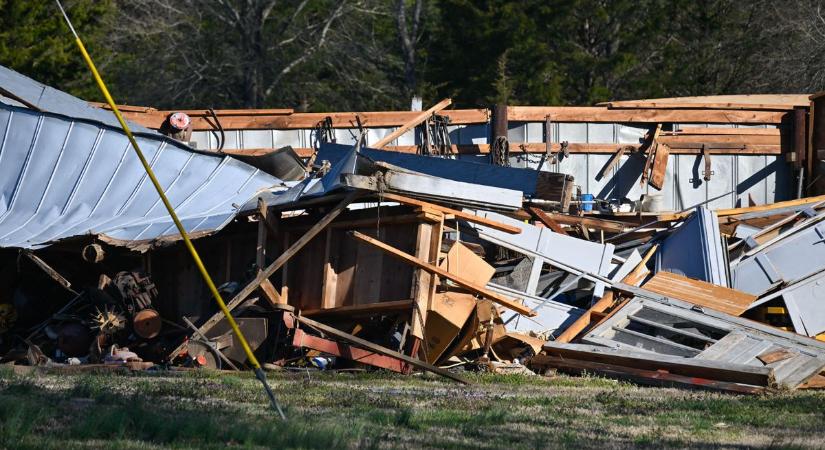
{"points": [[412, 123], [773, 356], [726, 300], [548, 221], [657, 173], [466, 284]]}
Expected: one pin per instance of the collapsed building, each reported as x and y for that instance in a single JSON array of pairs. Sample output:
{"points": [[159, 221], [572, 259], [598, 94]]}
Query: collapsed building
{"points": [[666, 241]]}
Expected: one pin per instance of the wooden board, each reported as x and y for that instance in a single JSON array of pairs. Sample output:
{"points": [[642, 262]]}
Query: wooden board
{"points": [[776, 356], [654, 377], [603, 114], [714, 370], [412, 123], [657, 173], [736, 101], [700, 293]]}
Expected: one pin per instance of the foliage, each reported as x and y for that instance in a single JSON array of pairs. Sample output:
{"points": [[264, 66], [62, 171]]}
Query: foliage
{"points": [[34, 40], [323, 55]]}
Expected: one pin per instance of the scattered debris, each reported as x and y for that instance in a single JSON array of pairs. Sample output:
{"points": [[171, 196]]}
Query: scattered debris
{"points": [[354, 256]]}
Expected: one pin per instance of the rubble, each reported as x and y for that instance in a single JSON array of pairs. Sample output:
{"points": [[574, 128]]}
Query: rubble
{"points": [[356, 255]]}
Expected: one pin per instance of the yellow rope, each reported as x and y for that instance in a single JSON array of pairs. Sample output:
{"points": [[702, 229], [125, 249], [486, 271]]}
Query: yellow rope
{"points": [[187, 242]]}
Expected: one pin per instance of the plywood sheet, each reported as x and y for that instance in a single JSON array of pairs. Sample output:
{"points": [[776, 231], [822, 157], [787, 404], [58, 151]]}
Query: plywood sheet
{"points": [[462, 261], [730, 301]]}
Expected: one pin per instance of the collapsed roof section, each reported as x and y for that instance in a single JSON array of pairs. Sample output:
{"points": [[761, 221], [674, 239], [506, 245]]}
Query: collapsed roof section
{"points": [[67, 170]]}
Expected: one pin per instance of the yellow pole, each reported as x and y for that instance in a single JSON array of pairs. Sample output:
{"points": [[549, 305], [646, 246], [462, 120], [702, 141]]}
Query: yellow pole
{"points": [[186, 241]]}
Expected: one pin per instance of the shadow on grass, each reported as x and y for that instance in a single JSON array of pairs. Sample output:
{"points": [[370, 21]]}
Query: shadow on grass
{"points": [[32, 417]]}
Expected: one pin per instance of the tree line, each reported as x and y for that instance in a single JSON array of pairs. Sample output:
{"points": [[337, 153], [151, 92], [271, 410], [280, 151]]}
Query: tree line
{"points": [[325, 55]]}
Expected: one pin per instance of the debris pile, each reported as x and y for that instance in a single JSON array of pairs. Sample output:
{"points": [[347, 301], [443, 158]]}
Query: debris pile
{"points": [[357, 257]]}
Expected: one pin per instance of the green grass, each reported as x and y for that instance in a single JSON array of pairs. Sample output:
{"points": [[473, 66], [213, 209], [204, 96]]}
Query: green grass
{"points": [[379, 410]]}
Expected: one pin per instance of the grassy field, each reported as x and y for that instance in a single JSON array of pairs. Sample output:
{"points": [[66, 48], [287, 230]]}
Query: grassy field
{"points": [[327, 410]]}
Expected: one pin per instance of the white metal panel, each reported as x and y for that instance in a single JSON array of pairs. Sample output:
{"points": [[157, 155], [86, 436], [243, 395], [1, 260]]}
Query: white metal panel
{"points": [[689, 180], [231, 139], [721, 182], [293, 138], [256, 138], [200, 139], [751, 179], [572, 132], [601, 133], [535, 132]]}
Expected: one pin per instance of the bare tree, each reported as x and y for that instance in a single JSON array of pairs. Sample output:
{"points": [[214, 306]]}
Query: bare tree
{"points": [[239, 51], [409, 34], [799, 45]]}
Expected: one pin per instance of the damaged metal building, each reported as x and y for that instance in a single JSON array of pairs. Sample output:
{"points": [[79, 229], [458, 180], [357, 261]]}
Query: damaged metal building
{"points": [[649, 240]]}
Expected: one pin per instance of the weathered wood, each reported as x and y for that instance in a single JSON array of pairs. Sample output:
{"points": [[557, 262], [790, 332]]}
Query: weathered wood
{"points": [[700, 293], [412, 123], [654, 377], [365, 309], [657, 173], [55, 275], [602, 114], [714, 370], [617, 156], [270, 293], [770, 207], [548, 221], [272, 268], [466, 284], [260, 253], [716, 131], [651, 147], [469, 217], [612, 226], [330, 282], [346, 337], [776, 356]]}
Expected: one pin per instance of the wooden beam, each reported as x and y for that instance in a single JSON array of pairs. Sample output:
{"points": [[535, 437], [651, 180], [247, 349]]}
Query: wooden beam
{"points": [[603, 114], [612, 226], [272, 268], [692, 367], [546, 220], [657, 172], [466, 284], [654, 377], [772, 206], [365, 309], [449, 211], [375, 348], [412, 123]]}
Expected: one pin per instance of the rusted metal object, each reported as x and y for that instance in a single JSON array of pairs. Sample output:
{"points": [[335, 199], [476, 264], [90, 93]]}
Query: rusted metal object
{"points": [[147, 323]]}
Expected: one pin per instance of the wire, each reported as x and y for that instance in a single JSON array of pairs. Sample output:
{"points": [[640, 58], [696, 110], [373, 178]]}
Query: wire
{"points": [[259, 373]]}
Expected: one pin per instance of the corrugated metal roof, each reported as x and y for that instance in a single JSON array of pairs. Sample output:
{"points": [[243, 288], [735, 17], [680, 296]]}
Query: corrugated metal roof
{"points": [[49, 99], [62, 177]]}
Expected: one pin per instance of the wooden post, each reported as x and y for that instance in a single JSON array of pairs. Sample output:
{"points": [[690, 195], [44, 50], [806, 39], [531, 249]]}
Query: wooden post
{"points": [[799, 136], [817, 150], [498, 122]]}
